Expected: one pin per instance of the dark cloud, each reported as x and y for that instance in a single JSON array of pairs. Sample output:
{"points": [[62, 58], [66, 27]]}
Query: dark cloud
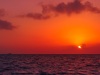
{"points": [[5, 25], [74, 7], [37, 16], [71, 7], [2, 12]]}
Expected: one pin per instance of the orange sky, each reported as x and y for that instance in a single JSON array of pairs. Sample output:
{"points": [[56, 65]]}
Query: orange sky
{"points": [[51, 26]]}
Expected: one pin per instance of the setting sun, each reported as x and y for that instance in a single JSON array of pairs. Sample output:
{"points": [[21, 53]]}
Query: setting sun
{"points": [[79, 47]]}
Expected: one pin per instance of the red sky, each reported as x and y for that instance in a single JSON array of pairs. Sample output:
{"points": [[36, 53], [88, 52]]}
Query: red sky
{"points": [[50, 26]]}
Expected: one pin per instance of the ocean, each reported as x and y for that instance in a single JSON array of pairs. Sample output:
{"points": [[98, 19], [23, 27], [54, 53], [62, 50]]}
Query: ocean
{"points": [[49, 64]]}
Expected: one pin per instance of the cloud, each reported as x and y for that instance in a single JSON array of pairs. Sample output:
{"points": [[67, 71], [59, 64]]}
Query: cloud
{"points": [[75, 7], [88, 6], [37, 16], [5, 25], [2, 12]]}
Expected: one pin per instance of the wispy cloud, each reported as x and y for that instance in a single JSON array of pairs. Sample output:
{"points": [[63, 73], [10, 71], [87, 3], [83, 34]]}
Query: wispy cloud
{"points": [[5, 25], [75, 7], [38, 16]]}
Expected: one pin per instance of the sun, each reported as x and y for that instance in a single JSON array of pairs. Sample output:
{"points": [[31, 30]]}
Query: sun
{"points": [[79, 47]]}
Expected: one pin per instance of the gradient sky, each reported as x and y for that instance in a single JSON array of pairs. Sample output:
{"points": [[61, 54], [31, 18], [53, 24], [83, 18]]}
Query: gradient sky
{"points": [[50, 26]]}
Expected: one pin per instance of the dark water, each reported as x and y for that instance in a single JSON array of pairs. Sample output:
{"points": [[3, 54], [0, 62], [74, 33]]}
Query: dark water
{"points": [[11, 64]]}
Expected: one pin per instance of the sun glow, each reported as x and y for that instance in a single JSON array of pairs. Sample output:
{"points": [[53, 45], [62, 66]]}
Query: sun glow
{"points": [[80, 33]]}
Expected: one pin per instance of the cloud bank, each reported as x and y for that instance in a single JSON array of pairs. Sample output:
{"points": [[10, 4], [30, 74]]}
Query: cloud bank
{"points": [[5, 25], [75, 7]]}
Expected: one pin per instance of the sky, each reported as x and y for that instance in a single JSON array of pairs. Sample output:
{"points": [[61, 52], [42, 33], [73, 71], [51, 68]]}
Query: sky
{"points": [[50, 26]]}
